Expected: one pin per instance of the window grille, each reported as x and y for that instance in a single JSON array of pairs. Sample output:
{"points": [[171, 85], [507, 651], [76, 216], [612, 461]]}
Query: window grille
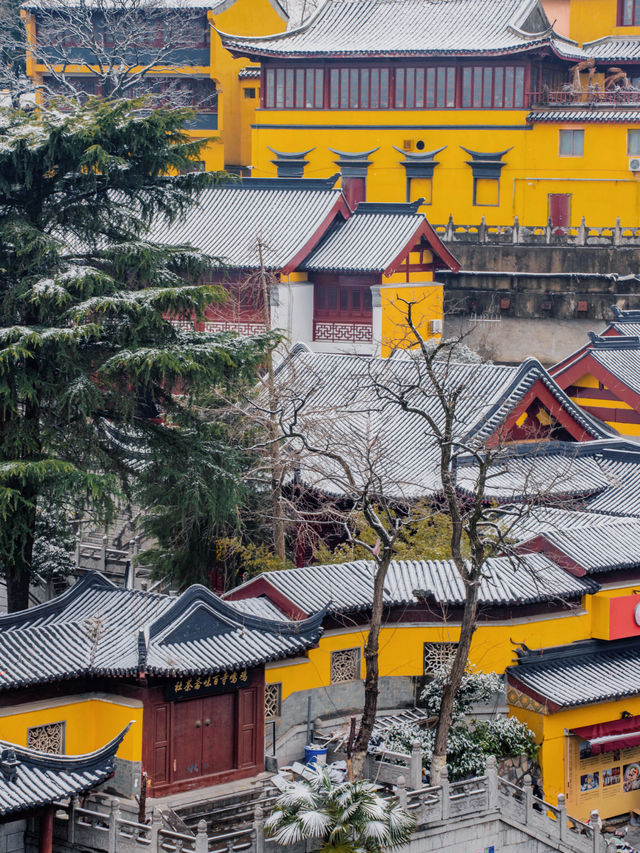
{"points": [[345, 665], [437, 656], [48, 738], [272, 700]]}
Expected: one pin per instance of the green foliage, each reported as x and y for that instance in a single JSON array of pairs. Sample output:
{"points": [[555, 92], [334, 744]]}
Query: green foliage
{"points": [[470, 741], [427, 537], [87, 356], [349, 817]]}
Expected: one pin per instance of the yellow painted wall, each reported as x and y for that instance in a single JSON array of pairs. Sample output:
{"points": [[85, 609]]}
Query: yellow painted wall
{"points": [[401, 647], [427, 301], [550, 730], [593, 19], [91, 722], [602, 188], [242, 18]]}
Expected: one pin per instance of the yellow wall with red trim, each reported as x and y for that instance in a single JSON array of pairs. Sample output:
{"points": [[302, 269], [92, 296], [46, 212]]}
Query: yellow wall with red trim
{"points": [[584, 399]]}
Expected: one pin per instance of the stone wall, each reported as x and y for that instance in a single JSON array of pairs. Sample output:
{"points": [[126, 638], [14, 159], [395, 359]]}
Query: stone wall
{"points": [[516, 301], [12, 836]]}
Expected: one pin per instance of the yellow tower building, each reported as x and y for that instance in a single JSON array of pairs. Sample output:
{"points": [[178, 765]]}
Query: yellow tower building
{"points": [[481, 107]]}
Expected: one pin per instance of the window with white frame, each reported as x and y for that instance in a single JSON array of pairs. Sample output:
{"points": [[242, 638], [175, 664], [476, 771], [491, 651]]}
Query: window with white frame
{"points": [[633, 143], [571, 143], [345, 665]]}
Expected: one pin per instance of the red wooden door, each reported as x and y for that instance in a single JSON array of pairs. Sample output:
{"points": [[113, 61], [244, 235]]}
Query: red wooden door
{"points": [[160, 744], [219, 745], [247, 727], [560, 209], [187, 739]]}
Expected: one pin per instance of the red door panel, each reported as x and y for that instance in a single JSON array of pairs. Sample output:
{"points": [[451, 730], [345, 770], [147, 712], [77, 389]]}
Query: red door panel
{"points": [[219, 748], [247, 727], [160, 756], [560, 209], [187, 739]]}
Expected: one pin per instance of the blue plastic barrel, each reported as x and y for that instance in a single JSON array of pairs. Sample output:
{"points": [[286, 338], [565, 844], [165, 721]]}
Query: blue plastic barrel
{"points": [[314, 753]]}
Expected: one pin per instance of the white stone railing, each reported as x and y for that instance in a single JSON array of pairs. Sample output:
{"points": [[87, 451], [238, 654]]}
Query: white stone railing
{"points": [[437, 809], [517, 234]]}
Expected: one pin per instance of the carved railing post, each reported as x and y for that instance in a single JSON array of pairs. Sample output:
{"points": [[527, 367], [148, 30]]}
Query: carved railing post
{"points": [[114, 817], [617, 233], [562, 817], [156, 826], [449, 230], [258, 829], [491, 771], [527, 788], [515, 234], [548, 231], [202, 841], [415, 766], [445, 792], [582, 232], [78, 548], [596, 823], [401, 786], [71, 827], [482, 230]]}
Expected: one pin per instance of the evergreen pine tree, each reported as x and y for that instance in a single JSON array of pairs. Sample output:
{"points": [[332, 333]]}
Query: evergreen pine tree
{"points": [[86, 350]]}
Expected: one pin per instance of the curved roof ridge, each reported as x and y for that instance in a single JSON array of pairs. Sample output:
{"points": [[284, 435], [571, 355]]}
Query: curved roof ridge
{"points": [[91, 580], [199, 595], [67, 761]]}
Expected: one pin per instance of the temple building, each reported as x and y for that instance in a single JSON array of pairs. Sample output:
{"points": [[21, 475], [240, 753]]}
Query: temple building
{"points": [[193, 70], [180, 668], [603, 377], [480, 107], [296, 256]]}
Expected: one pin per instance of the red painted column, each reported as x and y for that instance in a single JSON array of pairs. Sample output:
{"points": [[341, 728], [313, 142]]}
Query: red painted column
{"points": [[45, 844]]}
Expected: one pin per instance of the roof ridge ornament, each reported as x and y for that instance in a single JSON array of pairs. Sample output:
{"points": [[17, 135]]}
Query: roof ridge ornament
{"points": [[613, 342], [9, 764]]}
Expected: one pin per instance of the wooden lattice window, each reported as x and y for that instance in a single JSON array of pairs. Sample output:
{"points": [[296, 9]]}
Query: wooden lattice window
{"points": [[345, 665], [48, 738], [437, 656], [272, 700]]}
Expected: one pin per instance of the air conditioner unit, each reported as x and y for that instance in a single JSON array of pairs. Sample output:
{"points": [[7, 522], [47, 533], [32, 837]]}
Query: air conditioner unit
{"points": [[435, 327], [634, 164]]}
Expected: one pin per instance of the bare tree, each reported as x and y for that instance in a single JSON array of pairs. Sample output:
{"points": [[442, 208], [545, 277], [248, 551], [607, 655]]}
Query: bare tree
{"points": [[109, 48], [372, 442]]}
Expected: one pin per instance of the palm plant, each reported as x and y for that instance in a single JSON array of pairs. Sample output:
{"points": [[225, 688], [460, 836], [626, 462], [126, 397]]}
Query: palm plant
{"points": [[349, 817]]}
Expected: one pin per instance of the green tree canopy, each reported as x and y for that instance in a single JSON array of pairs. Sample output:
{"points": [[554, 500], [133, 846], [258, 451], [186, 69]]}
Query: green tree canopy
{"points": [[88, 358]]}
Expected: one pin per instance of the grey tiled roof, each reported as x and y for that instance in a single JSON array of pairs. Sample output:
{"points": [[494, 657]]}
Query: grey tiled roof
{"points": [[228, 222], [602, 546], [259, 606], [583, 672], [594, 115], [406, 452], [369, 241], [96, 628], [622, 496], [540, 519], [614, 48], [622, 361], [413, 28], [558, 469], [30, 778], [349, 586]]}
